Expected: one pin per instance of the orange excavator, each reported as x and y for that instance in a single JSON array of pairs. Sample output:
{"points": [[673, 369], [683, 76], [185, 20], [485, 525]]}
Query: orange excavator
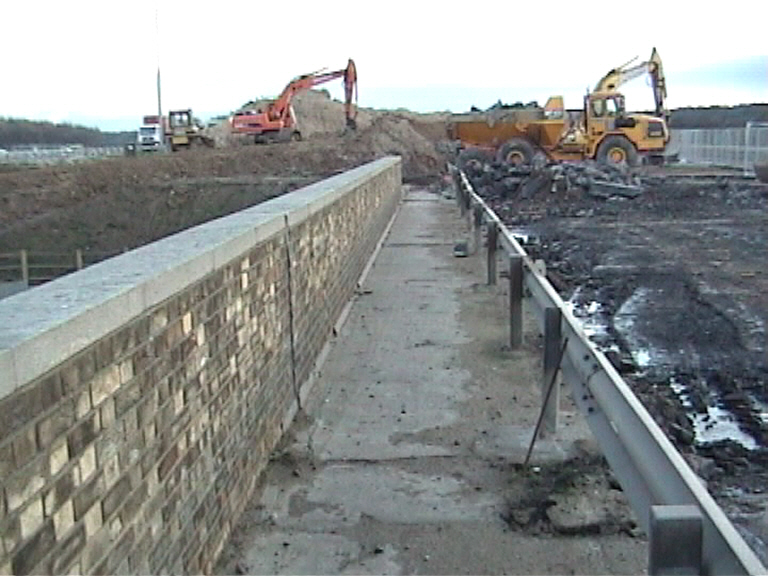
{"points": [[277, 122]]}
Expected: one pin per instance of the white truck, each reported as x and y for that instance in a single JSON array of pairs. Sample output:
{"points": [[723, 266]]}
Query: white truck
{"points": [[150, 135]]}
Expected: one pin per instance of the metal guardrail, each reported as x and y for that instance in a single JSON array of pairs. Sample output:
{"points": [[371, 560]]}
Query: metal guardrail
{"points": [[688, 531]]}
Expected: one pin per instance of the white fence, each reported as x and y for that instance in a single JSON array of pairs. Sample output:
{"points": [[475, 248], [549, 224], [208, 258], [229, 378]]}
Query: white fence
{"points": [[733, 147]]}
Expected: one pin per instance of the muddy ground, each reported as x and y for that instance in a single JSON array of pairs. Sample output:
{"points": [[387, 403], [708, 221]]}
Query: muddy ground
{"points": [[673, 285]]}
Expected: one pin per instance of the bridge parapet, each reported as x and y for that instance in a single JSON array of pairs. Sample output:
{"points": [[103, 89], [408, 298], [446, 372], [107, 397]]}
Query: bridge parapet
{"points": [[141, 397]]}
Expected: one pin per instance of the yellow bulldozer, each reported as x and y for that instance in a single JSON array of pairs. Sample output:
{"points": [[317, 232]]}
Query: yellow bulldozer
{"points": [[185, 131], [602, 130]]}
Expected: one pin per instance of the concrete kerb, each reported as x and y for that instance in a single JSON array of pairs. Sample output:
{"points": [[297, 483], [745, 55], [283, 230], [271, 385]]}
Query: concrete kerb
{"points": [[44, 326]]}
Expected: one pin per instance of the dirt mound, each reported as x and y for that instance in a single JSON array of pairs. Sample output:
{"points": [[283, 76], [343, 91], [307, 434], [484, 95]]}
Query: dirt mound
{"points": [[121, 203], [110, 205], [316, 113], [417, 138], [396, 134], [320, 119]]}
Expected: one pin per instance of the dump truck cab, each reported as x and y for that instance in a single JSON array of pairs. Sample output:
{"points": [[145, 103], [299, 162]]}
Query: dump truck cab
{"points": [[614, 136]]}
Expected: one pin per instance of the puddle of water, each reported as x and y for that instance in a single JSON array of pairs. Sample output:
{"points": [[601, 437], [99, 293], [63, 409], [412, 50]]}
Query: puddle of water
{"points": [[625, 320], [717, 424], [522, 235], [761, 408], [642, 357], [591, 317]]}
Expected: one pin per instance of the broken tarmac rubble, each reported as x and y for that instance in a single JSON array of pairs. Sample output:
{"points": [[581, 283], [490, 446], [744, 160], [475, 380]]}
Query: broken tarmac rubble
{"points": [[501, 180]]}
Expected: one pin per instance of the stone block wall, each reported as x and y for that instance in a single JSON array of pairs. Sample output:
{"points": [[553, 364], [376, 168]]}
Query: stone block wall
{"points": [[141, 397]]}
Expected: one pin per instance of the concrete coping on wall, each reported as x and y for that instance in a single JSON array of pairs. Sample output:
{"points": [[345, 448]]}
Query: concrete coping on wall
{"points": [[42, 327]]}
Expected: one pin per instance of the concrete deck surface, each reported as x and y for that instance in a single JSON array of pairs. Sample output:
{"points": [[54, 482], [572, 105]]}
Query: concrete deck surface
{"points": [[409, 451]]}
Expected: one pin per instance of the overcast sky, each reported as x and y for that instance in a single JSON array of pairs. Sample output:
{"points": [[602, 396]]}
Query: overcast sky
{"points": [[95, 62]]}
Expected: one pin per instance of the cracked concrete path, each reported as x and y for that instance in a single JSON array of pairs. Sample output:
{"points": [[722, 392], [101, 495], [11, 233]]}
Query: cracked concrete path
{"points": [[407, 457]]}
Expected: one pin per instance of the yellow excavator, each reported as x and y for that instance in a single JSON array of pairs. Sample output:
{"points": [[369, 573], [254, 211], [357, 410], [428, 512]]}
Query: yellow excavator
{"points": [[653, 67], [602, 131]]}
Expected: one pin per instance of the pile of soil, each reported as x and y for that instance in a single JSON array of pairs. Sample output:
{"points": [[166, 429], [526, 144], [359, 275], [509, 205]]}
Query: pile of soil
{"points": [[395, 134], [319, 116], [107, 206], [316, 113]]}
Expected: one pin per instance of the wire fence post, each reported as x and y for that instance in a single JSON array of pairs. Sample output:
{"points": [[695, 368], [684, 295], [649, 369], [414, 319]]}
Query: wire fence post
{"points": [[24, 267], [493, 240], [516, 301], [477, 225], [79, 259], [462, 198], [552, 337]]}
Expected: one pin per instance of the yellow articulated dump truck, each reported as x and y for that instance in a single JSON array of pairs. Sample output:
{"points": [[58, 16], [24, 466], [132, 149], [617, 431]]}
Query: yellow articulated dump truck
{"points": [[602, 130]]}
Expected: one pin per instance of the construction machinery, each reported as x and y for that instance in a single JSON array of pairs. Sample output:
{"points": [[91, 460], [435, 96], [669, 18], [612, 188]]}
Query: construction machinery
{"points": [[149, 137], [602, 130], [185, 131], [277, 122]]}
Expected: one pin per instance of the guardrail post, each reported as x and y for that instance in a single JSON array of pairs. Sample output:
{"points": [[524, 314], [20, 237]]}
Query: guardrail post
{"points": [[477, 225], [515, 301], [24, 267], [675, 545], [552, 342], [493, 241], [79, 259], [462, 197], [459, 189], [467, 200]]}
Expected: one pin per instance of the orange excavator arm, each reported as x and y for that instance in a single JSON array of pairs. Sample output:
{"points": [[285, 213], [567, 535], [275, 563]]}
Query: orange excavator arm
{"points": [[280, 107]]}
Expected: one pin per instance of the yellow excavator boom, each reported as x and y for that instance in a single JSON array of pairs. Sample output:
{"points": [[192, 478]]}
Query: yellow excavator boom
{"points": [[623, 74]]}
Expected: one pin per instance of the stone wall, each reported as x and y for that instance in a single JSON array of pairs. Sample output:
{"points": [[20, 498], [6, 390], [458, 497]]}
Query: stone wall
{"points": [[141, 397]]}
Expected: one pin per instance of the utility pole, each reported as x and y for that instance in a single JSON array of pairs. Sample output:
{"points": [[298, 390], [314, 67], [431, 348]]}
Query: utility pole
{"points": [[159, 100]]}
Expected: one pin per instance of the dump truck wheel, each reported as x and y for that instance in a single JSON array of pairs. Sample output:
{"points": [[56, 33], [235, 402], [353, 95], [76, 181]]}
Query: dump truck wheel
{"points": [[473, 159], [296, 136], [617, 150], [516, 152]]}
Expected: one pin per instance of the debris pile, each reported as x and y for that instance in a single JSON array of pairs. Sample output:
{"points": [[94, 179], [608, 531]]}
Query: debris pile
{"points": [[504, 181]]}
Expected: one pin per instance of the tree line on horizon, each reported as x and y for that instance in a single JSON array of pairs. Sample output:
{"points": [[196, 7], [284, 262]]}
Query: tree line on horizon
{"points": [[718, 116], [20, 131]]}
